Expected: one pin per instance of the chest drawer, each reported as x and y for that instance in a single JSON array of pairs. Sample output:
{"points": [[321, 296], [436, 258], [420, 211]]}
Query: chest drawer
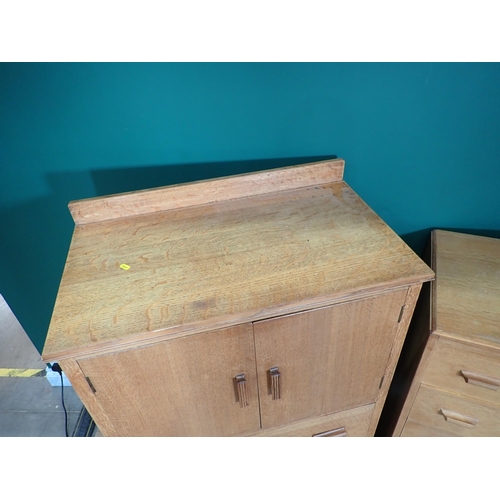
{"points": [[465, 369], [349, 423], [440, 413]]}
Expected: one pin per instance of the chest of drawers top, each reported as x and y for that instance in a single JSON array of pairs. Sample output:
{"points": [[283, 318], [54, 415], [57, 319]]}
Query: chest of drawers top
{"points": [[465, 303]]}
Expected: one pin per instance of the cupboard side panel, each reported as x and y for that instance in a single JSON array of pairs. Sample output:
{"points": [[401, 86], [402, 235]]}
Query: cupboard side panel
{"points": [[75, 375], [409, 308], [411, 353], [415, 385]]}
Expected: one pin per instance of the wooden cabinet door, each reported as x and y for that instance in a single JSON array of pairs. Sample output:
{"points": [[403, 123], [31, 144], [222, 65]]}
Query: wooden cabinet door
{"points": [[180, 387], [325, 360]]}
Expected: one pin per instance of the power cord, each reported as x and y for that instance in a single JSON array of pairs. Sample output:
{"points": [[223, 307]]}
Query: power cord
{"points": [[56, 368]]}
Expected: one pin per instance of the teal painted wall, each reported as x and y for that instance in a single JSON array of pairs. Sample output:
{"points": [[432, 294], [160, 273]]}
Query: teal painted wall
{"points": [[421, 144]]}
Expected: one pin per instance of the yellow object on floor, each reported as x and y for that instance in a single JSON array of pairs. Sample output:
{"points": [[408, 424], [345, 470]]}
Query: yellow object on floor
{"points": [[21, 372]]}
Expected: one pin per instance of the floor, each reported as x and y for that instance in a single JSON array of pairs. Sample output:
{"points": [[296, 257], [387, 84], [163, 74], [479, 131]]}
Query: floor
{"points": [[30, 399]]}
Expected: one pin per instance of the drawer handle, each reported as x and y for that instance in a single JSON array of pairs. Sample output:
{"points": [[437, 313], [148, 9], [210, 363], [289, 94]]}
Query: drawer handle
{"points": [[457, 418], [340, 432], [275, 382], [241, 385], [480, 380]]}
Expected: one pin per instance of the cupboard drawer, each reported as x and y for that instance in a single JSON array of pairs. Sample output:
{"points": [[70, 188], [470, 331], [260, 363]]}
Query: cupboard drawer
{"points": [[440, 413], [465, 369], [349, 423]]}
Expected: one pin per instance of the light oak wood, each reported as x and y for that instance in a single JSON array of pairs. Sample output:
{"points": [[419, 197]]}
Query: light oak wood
{"points": [[480, 380], [82, 387], [180, 387], [403, 323], [190, 310], [459, 418], [330, 359], [339, 432], [416, 429], [468, 289], [408, 361], [462, 356], [200, 193], [354, 421], [413, 358], [215, 266], [413, 391], [451, 358], [444, 413]]}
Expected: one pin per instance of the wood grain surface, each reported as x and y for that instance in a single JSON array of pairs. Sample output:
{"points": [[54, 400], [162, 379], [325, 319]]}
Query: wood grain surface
{"points": [[451, 358], [221, 264], [457, 380], [416, 383], [355, 422], [203, 192], [467, 287], [180, 387], [404, 322], [433, 407], [330, 359]]}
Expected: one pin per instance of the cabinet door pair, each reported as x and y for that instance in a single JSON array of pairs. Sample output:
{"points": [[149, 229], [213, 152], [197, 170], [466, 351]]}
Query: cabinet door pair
{"points": [[257, 375]]}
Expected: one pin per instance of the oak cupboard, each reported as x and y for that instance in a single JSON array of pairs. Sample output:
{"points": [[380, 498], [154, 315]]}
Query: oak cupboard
{"points": [[267, 304], [454, 391]]}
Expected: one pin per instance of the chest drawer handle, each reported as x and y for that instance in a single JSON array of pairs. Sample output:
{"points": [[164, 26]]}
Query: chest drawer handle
{"points": [[457, 418], [275, 382], [340, 432], [241, 385], [480, 380]]}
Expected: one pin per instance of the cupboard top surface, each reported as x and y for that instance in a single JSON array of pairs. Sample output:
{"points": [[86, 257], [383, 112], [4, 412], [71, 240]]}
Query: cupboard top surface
{"points": [[219, 263], [466, 302]]}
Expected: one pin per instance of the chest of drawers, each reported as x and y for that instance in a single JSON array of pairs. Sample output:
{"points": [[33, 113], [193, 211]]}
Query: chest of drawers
{"points": [[269, 304], [455, 390]]}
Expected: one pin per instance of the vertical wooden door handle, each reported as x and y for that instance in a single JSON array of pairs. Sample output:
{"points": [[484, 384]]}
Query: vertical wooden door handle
{"points": [[241, 385], [275, 382]]}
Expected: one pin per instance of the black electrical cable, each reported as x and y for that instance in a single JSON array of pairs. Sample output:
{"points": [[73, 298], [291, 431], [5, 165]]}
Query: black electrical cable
{"points": [[64, 407], [56, 368]]}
